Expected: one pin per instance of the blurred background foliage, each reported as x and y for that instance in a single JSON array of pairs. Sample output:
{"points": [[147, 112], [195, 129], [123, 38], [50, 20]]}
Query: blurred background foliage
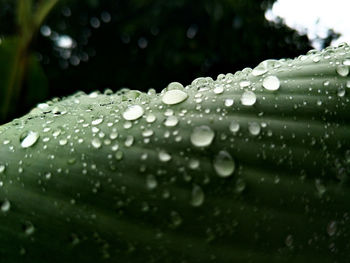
{"points": [[53, 48]]}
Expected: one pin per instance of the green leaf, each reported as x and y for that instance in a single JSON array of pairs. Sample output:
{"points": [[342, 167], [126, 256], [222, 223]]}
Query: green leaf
{"points": [[251, 167]]}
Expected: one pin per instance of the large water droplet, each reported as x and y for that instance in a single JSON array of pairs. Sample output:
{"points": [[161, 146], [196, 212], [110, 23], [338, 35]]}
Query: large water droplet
{"points": [[271, 83], [202, 136], [174, 96], [29, 139], [224, 164], [133, 112], [248, 98], [197, 198]]}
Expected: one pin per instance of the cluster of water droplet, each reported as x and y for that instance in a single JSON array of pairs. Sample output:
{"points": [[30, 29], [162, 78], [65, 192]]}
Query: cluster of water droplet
{"points": [[190, 135]]}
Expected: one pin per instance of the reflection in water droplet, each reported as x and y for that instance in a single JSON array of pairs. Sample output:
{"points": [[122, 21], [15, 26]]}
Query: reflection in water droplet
{"points": [[271, 83], [248, 98], [197, 198], [28, 139], [202, 136], [224, 164]]}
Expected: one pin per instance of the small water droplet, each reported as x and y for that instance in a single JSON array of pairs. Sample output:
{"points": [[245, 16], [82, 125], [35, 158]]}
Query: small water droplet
{"points": [[96, 143], [28, 228], [97, 121], [248, 98], [151, 181], [234, 126], [202, 136], [332, 228], [5, 206], [343, 70], [254, 128], [289, 241], [218, 88], [164, 156], [2, 168], [150, 118], [129, 141], [197, 198], [224, 164], [133, 112], [228, 102], [171, 121], [271, 83], [29, 138]]}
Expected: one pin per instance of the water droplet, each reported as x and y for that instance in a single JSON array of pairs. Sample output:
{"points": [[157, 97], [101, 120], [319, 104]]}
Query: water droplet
{"points": [[197, 196], [174, 96], [218, 88], [151, 181], [254, 128], [271, 83], [129, 141], [248, 98], [193, 164], [5, 206], [62, 142], [224, 165], [96, 143], [133, 112], [175, 218], [29, 138], [164, 156], [341, 92], [28, 228], [150, 118], [234, 126], [332, 228], [171, 121], [228, 102], [289, 241], [244, 83], [202, 136], [240, 186], [97, 121], [343, 70], [2, 168]]}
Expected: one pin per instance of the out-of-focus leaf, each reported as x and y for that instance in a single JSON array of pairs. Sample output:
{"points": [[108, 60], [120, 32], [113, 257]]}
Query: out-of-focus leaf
{"points": [[36, 82]]}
